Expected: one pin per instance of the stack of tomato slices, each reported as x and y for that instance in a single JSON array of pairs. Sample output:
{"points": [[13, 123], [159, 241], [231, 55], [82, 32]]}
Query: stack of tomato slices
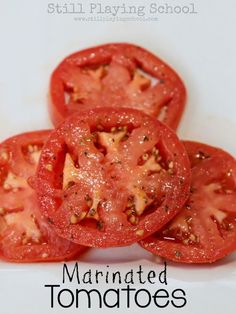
{"points": [[113, 172]]}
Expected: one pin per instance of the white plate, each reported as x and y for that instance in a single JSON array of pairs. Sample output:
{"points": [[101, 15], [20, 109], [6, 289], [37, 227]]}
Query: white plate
{"points": [[201, 47]]}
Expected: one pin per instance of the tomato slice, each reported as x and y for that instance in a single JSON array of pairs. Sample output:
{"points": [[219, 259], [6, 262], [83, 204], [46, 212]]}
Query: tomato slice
{"points": [[110, 177], [25, 235], [205, 229], [117, 75]]}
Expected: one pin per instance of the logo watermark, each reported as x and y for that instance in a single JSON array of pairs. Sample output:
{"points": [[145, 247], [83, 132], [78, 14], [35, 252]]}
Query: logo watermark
{"points": [[101, 12], [137, 287]]}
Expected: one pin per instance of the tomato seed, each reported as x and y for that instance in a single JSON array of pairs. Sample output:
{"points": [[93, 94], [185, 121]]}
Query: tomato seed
{"points": [[2, 211], [82, 215], [48, 167], [155, 151], [140, 232], [145, 156], [74, 219]]}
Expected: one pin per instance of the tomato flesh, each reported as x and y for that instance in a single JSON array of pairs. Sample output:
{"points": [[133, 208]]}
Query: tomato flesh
{"points": [[110, 177], [205, 229], [25, 235], [116, 75]]}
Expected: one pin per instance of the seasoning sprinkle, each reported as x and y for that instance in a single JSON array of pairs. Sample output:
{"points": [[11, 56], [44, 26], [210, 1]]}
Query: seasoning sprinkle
{"points": [[229, 173], [188, 219], [92, 212], [178, 254], [145, 138], [200, 155], [166, 207], [99, 225]]}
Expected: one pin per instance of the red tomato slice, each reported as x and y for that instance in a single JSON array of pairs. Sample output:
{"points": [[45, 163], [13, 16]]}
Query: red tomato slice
{"points": [[205, 230], [110, 177], [117, 75], [26, 236]]}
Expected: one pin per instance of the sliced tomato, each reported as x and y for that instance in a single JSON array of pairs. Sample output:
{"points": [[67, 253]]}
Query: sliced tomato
{"points": [[117, 75], [25, 235], [205, 229], [110, 177]]}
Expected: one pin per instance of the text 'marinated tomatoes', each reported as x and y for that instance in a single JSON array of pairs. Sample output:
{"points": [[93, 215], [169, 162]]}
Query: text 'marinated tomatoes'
{"points": [[205, 229], [117, 75], [25, 235], [110, 177]]}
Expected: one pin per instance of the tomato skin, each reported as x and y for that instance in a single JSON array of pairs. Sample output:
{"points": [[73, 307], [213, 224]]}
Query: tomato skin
{"points": [[210, 211], [19, 165], [25, 235], [136, 57], [54, 202]]}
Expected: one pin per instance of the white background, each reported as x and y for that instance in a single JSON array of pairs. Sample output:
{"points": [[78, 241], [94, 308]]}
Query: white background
{"points": [[201, 47]]}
